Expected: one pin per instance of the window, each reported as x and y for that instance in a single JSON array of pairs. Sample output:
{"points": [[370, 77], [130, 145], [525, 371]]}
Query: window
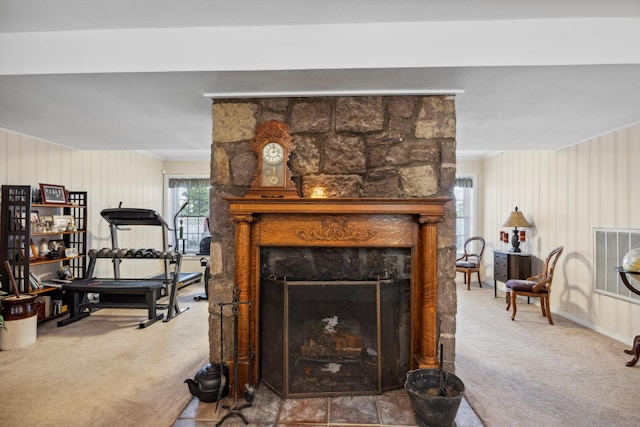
{"points": [[192, 222], [465, 208]]}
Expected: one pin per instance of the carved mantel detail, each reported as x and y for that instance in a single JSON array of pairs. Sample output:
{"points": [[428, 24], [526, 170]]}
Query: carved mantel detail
{"points": [[406, 223], [430, 220], [243, 218], [335, 229]]}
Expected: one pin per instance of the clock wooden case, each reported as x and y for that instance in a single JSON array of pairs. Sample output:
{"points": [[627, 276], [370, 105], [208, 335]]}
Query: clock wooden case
{"points": [[273, 146]]}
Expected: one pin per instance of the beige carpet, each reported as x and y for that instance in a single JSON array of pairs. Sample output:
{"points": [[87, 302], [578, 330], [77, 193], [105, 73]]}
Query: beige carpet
{"points": [[529, 373], [104, 371]]}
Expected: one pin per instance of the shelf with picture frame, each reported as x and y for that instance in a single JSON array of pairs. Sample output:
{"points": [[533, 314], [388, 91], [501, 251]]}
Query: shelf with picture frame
{"points": [[28, 222]]}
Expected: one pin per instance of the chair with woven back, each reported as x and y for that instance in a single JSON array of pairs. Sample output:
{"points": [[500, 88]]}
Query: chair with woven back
{"points": [[471, 260], [538, 286]]}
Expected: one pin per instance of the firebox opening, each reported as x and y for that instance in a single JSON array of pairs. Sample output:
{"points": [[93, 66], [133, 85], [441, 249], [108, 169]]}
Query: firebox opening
{"points": [[336, 336]]}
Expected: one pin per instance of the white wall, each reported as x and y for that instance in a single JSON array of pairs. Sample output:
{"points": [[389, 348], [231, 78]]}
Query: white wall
{"points": [[187, 168], [565, 194]]}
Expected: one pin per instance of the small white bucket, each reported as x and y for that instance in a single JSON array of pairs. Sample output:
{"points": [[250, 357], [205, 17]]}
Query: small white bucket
{"points": [[18, 333], [20, 322]]}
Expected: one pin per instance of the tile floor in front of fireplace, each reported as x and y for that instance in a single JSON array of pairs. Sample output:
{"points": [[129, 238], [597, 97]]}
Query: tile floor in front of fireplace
{"points": [[389, 409]]}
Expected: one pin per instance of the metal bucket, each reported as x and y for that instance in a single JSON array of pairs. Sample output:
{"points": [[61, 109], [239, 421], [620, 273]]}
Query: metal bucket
{"points": [[433, 410]]}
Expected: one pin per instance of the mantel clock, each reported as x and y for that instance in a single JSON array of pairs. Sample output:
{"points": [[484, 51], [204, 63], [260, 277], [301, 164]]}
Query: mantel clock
{"points": [[273, 145]]}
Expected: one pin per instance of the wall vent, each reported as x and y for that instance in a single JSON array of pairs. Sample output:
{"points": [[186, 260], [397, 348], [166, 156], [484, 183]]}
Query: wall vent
{"points": [[610, 245]]}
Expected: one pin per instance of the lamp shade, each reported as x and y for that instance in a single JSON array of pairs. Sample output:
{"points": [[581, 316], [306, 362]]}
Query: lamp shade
{"points": [[516, 219]]}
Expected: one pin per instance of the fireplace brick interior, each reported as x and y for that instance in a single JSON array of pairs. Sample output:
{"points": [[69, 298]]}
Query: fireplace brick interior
{"points": [[356, 147]]}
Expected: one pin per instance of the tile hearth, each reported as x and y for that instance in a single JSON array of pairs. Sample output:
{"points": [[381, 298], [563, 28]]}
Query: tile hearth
{"points": [[389, 409]]}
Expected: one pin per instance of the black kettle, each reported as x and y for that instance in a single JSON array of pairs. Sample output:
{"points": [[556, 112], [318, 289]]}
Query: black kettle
{"points": [[208, 381]]}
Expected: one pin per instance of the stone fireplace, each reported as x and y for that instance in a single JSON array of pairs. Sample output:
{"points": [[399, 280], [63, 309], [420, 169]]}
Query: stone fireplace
{"points": [[388, 164]]}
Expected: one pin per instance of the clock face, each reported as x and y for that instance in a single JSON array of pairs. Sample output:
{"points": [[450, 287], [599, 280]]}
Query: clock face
{"points": [[272, 153]]}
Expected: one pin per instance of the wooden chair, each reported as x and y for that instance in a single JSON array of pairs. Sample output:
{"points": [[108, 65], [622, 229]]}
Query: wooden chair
{"points": [[470, 262], [535, 286]]}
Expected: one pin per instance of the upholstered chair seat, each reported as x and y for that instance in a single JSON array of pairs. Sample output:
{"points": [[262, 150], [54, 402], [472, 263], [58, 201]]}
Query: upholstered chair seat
{"points": [[518, 285], [466, 264]]}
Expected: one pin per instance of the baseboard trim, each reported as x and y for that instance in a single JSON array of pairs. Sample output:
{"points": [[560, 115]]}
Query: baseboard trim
{"points": [[591, 326]]}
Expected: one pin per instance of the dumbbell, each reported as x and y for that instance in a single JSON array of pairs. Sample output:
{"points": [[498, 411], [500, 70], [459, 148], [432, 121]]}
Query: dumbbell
{"points": [[103, 253]]}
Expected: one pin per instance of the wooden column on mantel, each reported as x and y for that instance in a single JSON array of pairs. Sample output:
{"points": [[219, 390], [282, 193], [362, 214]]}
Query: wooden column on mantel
{"points": [[407, 223]]}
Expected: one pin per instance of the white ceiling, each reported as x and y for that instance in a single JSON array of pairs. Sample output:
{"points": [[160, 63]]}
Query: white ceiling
{"points": [[128, 74]]}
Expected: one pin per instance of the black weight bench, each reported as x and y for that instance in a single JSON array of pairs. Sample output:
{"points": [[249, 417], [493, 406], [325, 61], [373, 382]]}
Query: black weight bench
{"points": [[149, 290]]}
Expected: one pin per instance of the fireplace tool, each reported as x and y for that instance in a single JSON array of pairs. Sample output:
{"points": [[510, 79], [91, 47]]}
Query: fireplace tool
{"points": [[235, 409]]}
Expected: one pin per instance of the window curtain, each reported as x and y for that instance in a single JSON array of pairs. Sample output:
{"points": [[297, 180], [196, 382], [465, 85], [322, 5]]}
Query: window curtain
{"points": [[188, 182], [464, 182]]}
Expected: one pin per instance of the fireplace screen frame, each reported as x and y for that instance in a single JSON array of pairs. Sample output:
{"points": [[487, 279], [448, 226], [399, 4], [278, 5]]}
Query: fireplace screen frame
{"points": [[278, 374]]}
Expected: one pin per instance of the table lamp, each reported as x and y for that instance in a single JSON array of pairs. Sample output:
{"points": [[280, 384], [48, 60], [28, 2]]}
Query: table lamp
{"points": [[516, 219]]}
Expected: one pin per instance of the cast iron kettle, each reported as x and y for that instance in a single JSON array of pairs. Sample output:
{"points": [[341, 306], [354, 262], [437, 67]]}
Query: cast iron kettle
{"points": [[207, 383]]}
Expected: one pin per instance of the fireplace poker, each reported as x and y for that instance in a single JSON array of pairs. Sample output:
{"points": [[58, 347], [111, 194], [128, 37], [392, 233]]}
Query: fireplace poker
{"points": [[234, 410], [223, 379]]}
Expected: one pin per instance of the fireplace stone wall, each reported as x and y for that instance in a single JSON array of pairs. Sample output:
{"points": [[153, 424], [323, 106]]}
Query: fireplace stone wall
{"points": [[355, 147]]}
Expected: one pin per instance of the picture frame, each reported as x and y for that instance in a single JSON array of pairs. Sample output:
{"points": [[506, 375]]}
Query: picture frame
{"points": [[36, 227], [63, 222], [70, 252], [52, 193], [65, 273]]}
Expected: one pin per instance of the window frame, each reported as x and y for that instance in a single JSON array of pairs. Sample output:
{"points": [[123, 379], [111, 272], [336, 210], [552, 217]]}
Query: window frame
{"points": [[470, 207], [168, 214]]}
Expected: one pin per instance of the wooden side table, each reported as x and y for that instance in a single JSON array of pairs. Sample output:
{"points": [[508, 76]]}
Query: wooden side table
{"points": [[509, 265]]}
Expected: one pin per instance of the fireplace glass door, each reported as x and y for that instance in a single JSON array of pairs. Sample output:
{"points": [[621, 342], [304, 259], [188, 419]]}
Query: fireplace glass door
{"points": [[334, 337]]}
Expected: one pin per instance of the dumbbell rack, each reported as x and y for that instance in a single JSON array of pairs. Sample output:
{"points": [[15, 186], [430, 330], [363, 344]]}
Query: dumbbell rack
{"points": [[128, 293]]}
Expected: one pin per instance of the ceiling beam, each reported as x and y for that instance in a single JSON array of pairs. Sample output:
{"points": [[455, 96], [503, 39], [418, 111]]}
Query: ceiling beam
{"points": [[532, 42]]}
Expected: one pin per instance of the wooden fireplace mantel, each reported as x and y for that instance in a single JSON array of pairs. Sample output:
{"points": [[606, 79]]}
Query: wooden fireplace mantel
{"points": [[404, 223]]}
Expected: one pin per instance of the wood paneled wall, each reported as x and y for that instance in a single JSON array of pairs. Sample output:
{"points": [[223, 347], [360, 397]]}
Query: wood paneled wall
{"points": [[565, 194], [109, 177]]}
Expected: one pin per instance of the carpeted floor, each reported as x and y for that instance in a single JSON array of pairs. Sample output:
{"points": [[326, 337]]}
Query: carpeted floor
{"points": [[528, 373], [104, 371]]}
